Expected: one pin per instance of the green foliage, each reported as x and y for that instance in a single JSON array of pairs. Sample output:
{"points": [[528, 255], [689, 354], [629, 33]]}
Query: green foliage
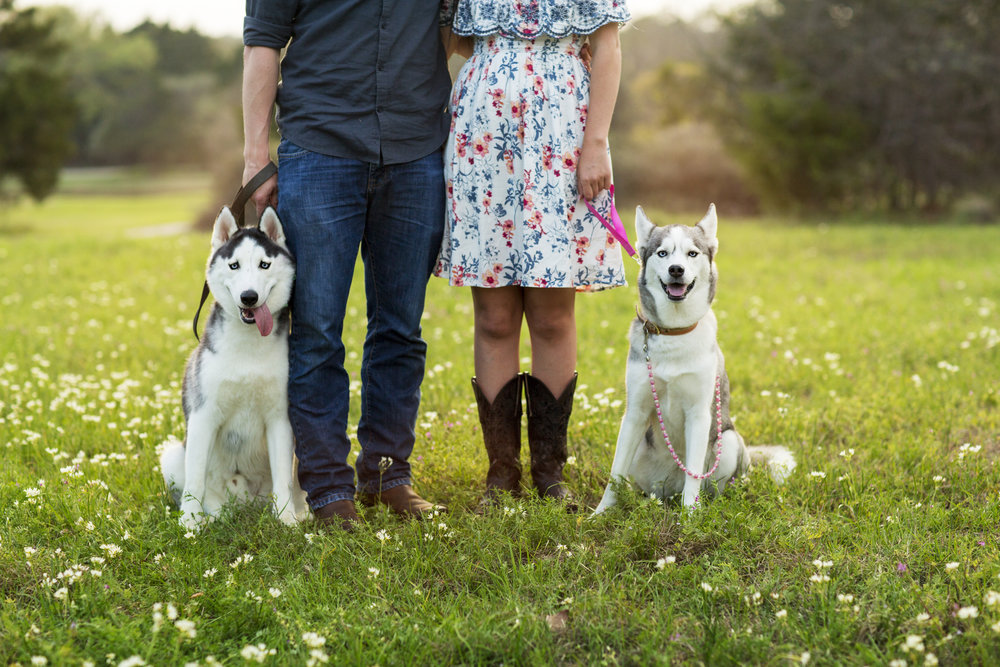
{"points": [[36, 109], [870, 350], [151, 96], [886, 104]]}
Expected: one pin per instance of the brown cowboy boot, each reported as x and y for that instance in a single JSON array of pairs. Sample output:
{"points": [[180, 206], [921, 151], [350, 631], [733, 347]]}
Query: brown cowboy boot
{"points": [[548, 419], [501, 422]]}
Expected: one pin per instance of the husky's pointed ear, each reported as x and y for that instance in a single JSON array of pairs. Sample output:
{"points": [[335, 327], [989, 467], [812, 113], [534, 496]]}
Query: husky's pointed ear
{"points": [[643, 228], [710, 225], [271, 226], [225, 227]]}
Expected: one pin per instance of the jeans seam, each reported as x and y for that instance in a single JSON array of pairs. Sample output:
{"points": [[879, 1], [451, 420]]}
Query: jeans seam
{"points": [[373, 325]]}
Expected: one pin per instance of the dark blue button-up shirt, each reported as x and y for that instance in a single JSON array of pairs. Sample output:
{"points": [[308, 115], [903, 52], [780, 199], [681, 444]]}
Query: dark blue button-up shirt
{"points": [[360, 79]]}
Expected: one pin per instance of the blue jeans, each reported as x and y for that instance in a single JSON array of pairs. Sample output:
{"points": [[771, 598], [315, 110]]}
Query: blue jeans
{"points": [[329, 207]]}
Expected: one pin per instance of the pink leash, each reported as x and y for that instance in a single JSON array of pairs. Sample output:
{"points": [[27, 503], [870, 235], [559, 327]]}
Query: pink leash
{"points": [[615, 225]]}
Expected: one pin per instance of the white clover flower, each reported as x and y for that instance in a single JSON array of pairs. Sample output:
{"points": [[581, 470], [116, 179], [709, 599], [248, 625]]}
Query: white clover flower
{"points": [[968, 612], [111, 549], [707, 587], [186, 628], [383, 535], [951, 566], [923, 617], [317, 656], [898, 662], [663, 562], [61, 594], [913, 643], [313, 640], [274, 592], [373, 572], [208, 574], [256, 653], [992, 598], [930, 660], [781, 613], [39, 660]]}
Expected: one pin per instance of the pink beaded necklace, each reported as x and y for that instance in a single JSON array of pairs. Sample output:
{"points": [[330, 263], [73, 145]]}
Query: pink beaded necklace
{"points": [[663, 428]]}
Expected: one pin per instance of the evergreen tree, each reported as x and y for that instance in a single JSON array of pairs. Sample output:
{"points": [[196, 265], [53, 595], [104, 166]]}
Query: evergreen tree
{"points": [[36, 109]]}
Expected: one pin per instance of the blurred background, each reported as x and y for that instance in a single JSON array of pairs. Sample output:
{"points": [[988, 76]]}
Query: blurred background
{"points": [[805, 107]]}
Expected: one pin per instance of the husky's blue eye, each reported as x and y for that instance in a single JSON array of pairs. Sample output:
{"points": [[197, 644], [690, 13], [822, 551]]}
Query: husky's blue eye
{"points": [[662, 253], [692, 253], [265, 265], [234, 266]]}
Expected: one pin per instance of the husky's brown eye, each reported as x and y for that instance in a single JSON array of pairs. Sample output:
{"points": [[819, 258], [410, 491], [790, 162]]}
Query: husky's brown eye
{"points": [[234, 266], [265, 265]]}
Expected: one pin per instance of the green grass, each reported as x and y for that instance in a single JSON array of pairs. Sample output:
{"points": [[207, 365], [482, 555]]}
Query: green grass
{"points": [[876, 339]]}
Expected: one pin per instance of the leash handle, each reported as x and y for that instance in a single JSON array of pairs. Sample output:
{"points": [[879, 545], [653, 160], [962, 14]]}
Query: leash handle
{"points": [[615, 225], [244, 193], [238, 211]]}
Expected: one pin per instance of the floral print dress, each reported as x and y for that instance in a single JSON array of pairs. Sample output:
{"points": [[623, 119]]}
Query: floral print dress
{"points": [[518, 112]]}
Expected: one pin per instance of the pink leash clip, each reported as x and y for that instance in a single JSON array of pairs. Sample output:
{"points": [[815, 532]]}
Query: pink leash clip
{"points": [[615, 225]]}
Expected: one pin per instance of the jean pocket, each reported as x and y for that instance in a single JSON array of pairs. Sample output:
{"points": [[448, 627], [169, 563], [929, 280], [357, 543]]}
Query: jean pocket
{"points": [[289, 151]]}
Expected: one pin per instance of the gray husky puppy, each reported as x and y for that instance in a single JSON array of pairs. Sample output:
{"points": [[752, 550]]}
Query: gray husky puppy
{"points": [[676, 435], [238, 444]]}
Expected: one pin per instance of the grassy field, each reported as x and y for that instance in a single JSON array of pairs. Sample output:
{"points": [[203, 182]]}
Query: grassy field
{"points": [[870, 350]]}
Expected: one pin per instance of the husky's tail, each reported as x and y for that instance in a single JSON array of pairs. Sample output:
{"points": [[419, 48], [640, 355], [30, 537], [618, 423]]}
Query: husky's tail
{"points": [[778, 460], [172, 467]]}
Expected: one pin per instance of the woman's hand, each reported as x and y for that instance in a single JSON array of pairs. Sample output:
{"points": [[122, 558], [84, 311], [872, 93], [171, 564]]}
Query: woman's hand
{"points": [[593, 175]]}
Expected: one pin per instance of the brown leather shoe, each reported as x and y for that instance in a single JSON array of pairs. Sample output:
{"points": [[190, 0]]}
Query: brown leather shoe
{"points": [[402, 500], [338, 513]]}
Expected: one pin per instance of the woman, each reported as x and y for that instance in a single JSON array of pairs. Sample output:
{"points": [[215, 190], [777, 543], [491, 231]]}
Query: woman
{"points": [[528, 143]]}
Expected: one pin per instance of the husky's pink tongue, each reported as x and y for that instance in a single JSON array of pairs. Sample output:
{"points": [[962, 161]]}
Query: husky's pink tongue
{"points": [[676, 289], [262, 316]]}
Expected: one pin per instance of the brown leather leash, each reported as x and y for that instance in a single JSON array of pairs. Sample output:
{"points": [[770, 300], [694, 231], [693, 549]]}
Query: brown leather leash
{"points": [[239, 212]]}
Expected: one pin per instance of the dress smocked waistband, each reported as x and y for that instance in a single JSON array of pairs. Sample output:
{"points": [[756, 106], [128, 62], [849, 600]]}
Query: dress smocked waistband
{"points": [[542, 45]]}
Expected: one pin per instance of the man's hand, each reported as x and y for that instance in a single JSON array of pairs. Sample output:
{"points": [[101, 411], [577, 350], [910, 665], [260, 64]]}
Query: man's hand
{"points": [[267, 194]]}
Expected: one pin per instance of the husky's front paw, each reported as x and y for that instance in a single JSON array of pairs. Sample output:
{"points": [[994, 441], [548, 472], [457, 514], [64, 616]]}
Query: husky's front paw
{"points": [[607, 501], [288, 516], [192, 517]]}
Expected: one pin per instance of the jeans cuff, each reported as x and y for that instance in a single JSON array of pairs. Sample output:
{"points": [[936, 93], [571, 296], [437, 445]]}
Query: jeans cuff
{"points": [[331, 497], [373, 487]]}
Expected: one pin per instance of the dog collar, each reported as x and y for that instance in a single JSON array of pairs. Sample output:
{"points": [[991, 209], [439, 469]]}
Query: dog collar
{"points": [[661, 331]]}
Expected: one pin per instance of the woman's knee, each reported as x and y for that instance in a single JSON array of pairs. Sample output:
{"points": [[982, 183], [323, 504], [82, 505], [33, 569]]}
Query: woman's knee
{"points": [[498, 320]]}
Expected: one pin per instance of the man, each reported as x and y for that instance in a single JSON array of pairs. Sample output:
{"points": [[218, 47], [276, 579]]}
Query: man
{"points": [[362, 115]]}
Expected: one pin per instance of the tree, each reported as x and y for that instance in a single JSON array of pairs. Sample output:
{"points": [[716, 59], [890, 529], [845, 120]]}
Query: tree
{"points": [[863, 103], [36, 108]]}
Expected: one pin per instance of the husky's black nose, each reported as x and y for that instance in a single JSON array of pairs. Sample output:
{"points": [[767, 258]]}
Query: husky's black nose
{"points": [[676, 271], [249, 297]]}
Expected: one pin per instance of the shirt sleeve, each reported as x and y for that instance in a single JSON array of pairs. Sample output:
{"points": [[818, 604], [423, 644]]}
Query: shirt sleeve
{"points": [[269, 23]]}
